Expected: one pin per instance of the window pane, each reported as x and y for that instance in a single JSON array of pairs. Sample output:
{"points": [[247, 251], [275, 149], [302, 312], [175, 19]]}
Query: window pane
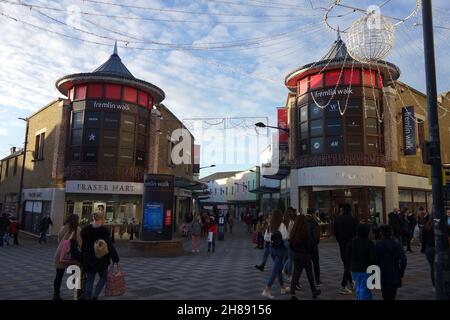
{"points": [[354, 144], [142, 125], [332, 77], [304, 130], [334, 126], [76, 137], [128, 123], [91, 137], [371, 126], [304, 147], [110, 138], [93, 119], [95, 90], [372, 145], [75, 154], [317, 145], [127, 140], [77, 121], [353, 107], [315, 112], [303, 114], [353, 125], [80, 92], [113, 91], [333, 109], [316, 128], [140, 143], [90, 154], [111, 120], [370, 108], [130, 94], [352, 76], [143, 99], [335, 144], [109, 155], [126, 156], [140, 158], [303, 85], [369, 78], [316, 81]]}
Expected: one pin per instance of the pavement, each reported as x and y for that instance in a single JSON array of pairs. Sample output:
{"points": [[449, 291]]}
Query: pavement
{"points": [[27, 272]]}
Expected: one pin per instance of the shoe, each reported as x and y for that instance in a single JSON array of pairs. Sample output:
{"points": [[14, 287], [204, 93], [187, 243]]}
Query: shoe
{"points": [[351, 286], [285, 290], [57, 297], [345, 290], [319, 284], [298, 287], [260, 268], [194, 250], [294, 298], [267, 293], [316, 293]]}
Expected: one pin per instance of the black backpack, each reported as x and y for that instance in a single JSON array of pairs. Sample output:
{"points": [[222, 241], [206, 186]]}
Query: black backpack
{"points": [[276, 239]]}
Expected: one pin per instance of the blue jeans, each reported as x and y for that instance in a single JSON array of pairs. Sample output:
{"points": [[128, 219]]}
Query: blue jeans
{"points": [[362, 292], [288, 263], [277, 256], [90, 283], [266, 253], [43, 237]]}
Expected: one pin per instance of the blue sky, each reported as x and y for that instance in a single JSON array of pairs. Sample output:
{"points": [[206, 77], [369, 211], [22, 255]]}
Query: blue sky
{"points": [[222, 59]]}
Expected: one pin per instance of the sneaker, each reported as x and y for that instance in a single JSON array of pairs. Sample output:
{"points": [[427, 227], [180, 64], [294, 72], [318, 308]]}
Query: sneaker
{"points": [[260, 268], [319, 284], [316, 293], [345, 290], [267, 293], [285, 290]]}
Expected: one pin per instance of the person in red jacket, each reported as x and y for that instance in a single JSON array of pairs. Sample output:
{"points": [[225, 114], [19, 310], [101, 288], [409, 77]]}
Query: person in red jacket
{"points": [[212, 234], [13, 229]]}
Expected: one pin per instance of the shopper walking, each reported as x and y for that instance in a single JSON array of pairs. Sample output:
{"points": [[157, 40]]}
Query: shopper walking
{"points": [[97, 252], [314, 229], [344, 231], [278, 252], [421, 220], [4, 223], [13, 230], [288, 220], [196, 228], [302, 244], [212, 234], [44, 225], [411, 222], [260, 233], [361, 254], [230, 222], [392, 261], [70, 230], [267, 237], [428, 246]]}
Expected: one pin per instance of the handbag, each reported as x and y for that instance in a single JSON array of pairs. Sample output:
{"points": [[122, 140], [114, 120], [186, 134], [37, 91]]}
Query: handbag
{"points": [[210, 236], [100, 248], [115, 281], [65, 255]]}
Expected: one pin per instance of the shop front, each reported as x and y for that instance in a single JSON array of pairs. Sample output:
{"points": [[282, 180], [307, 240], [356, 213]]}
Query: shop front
{"points": [[122, 202]]}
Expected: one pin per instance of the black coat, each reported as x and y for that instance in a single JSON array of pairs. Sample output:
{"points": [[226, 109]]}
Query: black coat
{"points": [[4, 223], [361, 254], [313, 227], [428, 240], [89, 261], [344, 228], [398, 224], [45, 224], [306, 245], [391, 259]]}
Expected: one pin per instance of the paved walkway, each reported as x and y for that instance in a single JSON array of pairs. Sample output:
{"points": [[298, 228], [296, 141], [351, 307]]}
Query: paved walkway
{"points": [[26, 272]]}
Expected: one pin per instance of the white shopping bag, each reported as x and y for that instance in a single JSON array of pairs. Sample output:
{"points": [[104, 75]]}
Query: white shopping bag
{"points": [[210, 236]]}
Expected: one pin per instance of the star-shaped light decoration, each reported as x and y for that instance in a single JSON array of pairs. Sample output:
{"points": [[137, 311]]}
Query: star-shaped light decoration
{"points": [[92, 137]]}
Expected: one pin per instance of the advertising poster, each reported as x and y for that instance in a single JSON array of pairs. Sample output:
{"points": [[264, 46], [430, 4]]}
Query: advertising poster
{"points": [[153, 217]]}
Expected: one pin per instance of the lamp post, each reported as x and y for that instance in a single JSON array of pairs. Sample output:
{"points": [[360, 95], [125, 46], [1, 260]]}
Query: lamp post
{"points": [[262, 125], [211, 166], [19, 196], [441, 263]]}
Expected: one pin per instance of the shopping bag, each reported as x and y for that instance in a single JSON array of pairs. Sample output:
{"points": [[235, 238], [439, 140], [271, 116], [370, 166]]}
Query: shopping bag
{"points": [[115, 281], [65, 255], [210, 236]]}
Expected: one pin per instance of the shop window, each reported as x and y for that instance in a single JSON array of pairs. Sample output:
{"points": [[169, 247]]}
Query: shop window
{"points": [[71, 93], [80, 92], [113, 91], [90, 154], [111, 120], [335, 144], [126, 156], [303, 114], [130, 94], [333, 109], [352, 77], [109, 155], [110, 138], [315, 112], [91, 137], [39, 147], [76, 137], [95, 90], [354, 144], [317, 146], [371, 126], [370, 108], [372, 144], [142, 125], [353, 125], [303, 86], [77, 120], [140, 158], [317, 128], [143, 99], [304, 130], [75, 154], [127, 140], [128, 123], [93, 119], [369, 77], [332, 77], [334, 126], [353, 107], [405, 199], [316, 81]]}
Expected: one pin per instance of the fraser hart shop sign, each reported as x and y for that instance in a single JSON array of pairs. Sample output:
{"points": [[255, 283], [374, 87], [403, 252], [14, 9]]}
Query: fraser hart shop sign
{"points": [[104, 187]]}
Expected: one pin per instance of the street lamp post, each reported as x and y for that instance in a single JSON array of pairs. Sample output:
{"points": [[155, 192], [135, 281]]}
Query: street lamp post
{"points": [[19, 196], [263, 125], [211, 166], [441, 264]]}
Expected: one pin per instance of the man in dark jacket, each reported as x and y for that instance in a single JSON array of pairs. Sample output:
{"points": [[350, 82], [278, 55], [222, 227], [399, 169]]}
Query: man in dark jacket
{"points": [[344, 231], [392, 262], [90, 263], [4, 223], [314, 230], [397, 223], [44, 225]]}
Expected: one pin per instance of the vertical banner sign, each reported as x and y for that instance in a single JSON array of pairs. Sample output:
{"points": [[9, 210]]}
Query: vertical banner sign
{"points": [[158, 207], [282, 122], [409, 132], [196, 158]]}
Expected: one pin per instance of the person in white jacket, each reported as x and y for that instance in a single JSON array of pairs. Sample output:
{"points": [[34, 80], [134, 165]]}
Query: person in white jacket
{"points": [[278, 252]]}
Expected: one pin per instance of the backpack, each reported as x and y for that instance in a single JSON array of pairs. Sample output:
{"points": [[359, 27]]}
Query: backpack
{"points": [[276, 239]]}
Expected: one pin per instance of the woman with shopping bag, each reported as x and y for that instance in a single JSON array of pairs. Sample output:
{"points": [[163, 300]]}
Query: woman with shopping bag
{"points": [[69, 240], [212, 234]]}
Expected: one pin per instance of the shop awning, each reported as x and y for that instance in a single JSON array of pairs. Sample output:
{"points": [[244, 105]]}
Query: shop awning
{"points": [[263, 190], [279, 175], [184, 183]]}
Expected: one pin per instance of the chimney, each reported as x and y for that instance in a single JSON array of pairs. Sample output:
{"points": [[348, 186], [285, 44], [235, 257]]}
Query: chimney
{"points": [[13, 150]]}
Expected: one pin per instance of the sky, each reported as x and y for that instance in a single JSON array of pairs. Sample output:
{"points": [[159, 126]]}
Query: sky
{"points": [[213, 59]]}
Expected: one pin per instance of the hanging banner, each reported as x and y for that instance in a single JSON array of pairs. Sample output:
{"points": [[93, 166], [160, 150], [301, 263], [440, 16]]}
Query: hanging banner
{"points": [[282, 122], [409, 132]]}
